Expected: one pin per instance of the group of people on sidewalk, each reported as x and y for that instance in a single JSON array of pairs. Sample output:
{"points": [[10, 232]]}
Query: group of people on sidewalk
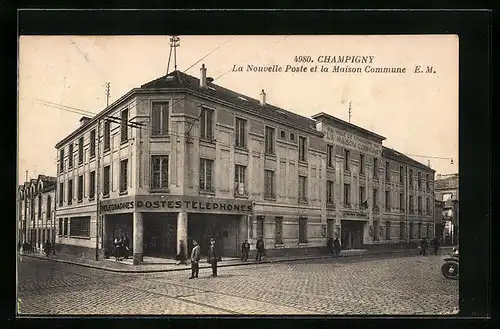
{"points": [[424, 245], [333, 246], [29, 248], [119, 248]]}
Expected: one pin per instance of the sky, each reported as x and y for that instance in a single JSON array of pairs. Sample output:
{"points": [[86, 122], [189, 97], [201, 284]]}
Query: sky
{"points": [[416, 112]]}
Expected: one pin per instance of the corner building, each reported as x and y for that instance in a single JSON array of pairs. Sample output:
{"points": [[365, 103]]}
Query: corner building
{"points": [[181, 158]]}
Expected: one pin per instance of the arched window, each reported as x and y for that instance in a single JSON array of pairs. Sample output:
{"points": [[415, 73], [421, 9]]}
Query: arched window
{"points": [[49, 207], [39, 204]]}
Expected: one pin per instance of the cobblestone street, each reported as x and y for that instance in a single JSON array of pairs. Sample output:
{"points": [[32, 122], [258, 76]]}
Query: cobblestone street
{"points": [[405, 285]]}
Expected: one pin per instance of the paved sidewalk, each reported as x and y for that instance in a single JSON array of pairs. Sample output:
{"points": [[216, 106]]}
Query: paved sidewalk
{"points": [[166, 265]]}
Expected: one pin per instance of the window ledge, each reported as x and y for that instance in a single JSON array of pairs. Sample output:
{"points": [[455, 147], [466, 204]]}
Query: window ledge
{"points": [[303, 244], [107, 150], [269, 154], [92, 157], [80, 201], [270, 198], [123, 192], [304, 162], [92, 198], [279, 245], [159, 190], [243, 149], [210, 140], [124, 142], [241, 196], [207, 192], [79, 237], [167, 135], [105, 196]]}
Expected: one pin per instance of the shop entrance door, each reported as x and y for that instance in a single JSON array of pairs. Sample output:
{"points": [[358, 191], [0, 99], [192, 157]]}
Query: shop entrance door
{"points": [[352, 234], [160, 237]]}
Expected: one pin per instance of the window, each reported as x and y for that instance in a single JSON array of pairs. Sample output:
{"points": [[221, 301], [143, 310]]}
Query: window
{"points": [[419, 204], [302, 230], [419, 230], [159, 172], [206, 122], [70, 155], [292, 137], [269, 184], [410, 179], [70, 191], [80, 227], [260, 226], [375, 199], [302, 188], [279, 230], [330, 155], [239, 180], [241, 133], [80, 188], [401, 202], [159, 118], [39, 205], [107, 135], [66, 227], [329, 192], [429, 231], [361, 163], [427, 206], [61, 194], [362, 197], [92, 143], [387, 171], [347, 195], [123, 175], [419, 180], [427, 182], [106, 180], [410, 231], [302, 149], [269, 140], [282, 134], [80, 150], [124, 126], [61, 227], [206, 175], [346, 160], [401, 230], [375, 231], [375, 168], [49, 207], [401, 174], [411, 204], [387, 200], [388, 232], [61, 160], [91, 185]]}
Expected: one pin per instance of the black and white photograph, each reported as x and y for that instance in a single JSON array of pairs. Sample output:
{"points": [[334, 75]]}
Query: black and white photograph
{"points": [[238, 175]]}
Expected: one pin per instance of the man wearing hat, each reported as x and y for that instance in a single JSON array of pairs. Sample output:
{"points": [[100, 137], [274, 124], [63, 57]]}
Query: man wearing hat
{"points": [[212, 257], [195, 259]]}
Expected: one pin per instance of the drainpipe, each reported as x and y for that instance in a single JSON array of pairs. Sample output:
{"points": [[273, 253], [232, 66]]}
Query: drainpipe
{"points": [[97, 190]]}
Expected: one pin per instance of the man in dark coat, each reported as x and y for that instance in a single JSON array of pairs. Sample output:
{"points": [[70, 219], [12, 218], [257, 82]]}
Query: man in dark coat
{"points": [[435, 245], [423, 245], [336, 246], [126, 245], [213, 257], [329, 245], [260, 249], [195, 260], [245, 247]]}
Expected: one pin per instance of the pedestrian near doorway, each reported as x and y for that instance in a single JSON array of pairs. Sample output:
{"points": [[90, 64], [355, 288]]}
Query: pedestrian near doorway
{"points": [[213, 257], [336, 246], [424, 245], [260, 249], [435, 245], [118, 249], [126, 245], [195, 260], [181, 256], [329, 246], [245, 248]]}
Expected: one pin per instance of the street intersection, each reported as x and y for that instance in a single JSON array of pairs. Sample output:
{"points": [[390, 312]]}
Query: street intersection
{"points": [[384, 286]]}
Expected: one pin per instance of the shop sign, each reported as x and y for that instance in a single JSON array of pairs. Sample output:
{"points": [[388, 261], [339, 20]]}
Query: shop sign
{"points": [[355, 214], [176, 204], [353, 141]]}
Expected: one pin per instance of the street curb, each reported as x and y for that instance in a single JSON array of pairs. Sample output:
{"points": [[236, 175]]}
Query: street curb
{"points": [[408, 252]]}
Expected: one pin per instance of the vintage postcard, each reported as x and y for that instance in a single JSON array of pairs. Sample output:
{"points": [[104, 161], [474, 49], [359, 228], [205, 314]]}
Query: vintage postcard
{"points": [[238, 175]]}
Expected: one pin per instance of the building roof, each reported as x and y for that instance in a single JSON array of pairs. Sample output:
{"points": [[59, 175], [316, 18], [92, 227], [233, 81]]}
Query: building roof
{"points": [[336, 121], [446, 182], [392, 154], [179, 79]]}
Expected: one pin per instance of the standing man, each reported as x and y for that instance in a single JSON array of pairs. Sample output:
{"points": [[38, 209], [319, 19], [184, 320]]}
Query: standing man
{"points": [[260, 249], [195, 260], [423, 245], [126, 245], [336, 246], [245, 247], [329, 246], [212, 257]]}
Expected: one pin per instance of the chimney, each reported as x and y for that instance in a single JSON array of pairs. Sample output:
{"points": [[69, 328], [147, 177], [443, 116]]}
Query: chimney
{"points": [[84, 120], [203, 76], [263, 98]]}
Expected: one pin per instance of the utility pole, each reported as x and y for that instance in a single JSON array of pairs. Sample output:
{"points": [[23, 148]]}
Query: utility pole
{"points": [[108, 94], [98, 190], [350, 112], [174, 43]]}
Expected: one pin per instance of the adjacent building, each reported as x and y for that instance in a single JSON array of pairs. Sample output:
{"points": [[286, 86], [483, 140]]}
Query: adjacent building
{"points": [[446, 192], [36, 211], [181, 158]]}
